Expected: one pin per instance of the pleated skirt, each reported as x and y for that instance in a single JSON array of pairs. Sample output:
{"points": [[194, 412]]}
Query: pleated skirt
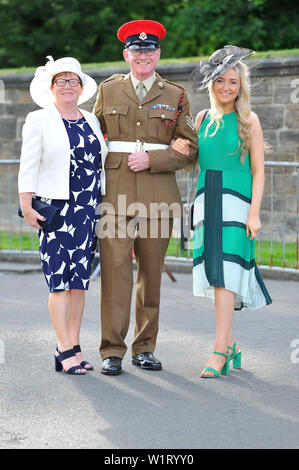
{"points": [[222, 254]]}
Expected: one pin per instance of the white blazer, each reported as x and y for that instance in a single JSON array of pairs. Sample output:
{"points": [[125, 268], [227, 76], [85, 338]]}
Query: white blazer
{"points": [[45, 155]]}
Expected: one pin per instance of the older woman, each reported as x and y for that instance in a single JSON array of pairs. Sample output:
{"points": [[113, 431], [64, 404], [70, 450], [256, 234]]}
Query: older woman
{"points": [[228, 199], [62, 163]]}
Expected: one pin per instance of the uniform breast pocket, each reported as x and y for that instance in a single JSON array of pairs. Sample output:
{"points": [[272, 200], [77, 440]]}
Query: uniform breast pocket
{"points": [[158, 128], [116, 118]]}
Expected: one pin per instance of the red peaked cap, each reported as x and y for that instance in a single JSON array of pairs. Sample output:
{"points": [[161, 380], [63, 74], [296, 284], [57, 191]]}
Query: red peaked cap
{"points": [[141, 26]]}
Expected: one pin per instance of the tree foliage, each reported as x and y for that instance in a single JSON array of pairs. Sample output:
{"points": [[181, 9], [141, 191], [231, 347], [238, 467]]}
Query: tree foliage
{"points": [[208, 25], [86, 29]]}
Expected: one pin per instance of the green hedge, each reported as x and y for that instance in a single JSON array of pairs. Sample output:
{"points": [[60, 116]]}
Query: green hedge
{"points": [[94, 65]]}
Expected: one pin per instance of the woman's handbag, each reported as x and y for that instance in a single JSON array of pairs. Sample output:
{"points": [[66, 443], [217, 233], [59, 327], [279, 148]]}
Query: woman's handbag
{"points": [[50, 212], [188, 222], [188, 211]]}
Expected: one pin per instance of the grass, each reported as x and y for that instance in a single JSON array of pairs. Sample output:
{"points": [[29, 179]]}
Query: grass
{"points": [[15, 242], [30, 242], [258, 55], [265, 253]]}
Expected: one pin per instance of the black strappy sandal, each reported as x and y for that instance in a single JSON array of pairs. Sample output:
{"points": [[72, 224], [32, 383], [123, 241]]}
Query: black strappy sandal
{"points": [[77, 349], [66, 355]]}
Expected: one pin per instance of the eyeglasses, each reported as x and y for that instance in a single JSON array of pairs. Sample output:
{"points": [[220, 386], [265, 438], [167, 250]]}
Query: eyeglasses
{"points": [[61, 82], [148, 52]]}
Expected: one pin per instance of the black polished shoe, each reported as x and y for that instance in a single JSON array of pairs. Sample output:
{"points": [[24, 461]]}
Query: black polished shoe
{"points": [[111, 366], [147, 361]]}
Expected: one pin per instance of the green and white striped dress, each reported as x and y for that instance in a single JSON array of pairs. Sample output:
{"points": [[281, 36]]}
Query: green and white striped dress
{"points": [[222, 254]]}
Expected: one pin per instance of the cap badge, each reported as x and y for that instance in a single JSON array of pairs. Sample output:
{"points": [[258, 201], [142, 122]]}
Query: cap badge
{"points": [[142, 36]]}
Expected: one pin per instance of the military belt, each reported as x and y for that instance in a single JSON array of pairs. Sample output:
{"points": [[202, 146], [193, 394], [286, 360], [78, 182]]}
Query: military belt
{"points": [[132, 147]]}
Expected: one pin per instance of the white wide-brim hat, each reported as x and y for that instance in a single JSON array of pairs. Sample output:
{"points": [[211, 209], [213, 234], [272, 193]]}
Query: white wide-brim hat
{"points": [[40, 85]]}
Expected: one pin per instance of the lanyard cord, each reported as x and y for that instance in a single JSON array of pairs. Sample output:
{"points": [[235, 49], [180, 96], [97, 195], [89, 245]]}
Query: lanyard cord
{"points": [[180, 108]]}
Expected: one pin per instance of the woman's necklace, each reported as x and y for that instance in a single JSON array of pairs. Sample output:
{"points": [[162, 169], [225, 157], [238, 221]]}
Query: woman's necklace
{"points": [[71, 122]]}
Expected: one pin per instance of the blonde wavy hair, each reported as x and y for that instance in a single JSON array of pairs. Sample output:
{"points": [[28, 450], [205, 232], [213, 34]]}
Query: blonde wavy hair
{"points": [[242, 108]]}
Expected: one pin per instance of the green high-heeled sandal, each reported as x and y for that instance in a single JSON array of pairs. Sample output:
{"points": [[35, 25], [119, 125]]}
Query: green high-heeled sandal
{"points": [[236, 356], [224, 370]]}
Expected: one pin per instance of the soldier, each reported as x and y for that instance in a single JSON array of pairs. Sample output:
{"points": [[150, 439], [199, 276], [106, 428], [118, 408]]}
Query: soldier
{"points": [[140, 113]]}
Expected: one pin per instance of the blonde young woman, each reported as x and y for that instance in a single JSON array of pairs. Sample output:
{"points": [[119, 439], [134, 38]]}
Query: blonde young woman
{"points": [[228, 200]]}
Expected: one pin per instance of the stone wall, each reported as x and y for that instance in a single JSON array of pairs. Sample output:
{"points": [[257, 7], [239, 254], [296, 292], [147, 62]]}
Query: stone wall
{"points": [[274, 96]]}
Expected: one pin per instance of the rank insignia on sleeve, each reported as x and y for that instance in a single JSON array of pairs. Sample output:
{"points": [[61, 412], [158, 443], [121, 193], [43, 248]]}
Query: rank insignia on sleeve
{"points": [[163, 106], [189, 122]]}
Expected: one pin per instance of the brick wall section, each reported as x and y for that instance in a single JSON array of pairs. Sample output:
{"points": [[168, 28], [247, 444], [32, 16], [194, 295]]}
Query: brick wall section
{"points": [[273, 82]]}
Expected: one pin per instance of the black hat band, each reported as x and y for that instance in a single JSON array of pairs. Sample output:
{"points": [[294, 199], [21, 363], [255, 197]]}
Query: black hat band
{"points": [[142, 41]]}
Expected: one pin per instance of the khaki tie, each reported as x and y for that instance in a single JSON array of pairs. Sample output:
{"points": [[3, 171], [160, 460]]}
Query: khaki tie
{"points": [[140, 91]]}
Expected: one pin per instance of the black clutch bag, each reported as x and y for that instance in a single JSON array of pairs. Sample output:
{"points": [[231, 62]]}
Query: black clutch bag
{"points": [[192, 216], [188, 219], [50, 212]]}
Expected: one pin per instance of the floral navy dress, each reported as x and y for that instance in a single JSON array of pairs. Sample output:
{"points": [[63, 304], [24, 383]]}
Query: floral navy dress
{"points": [[66, 253]]}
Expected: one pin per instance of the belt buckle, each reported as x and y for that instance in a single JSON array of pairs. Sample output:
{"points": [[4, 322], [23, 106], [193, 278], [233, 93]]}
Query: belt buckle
{"points": [[139, 146]]}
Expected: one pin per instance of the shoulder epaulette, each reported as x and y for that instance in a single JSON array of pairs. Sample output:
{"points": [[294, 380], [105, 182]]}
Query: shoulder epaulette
{"points": [[175, 84], [114, 77]]}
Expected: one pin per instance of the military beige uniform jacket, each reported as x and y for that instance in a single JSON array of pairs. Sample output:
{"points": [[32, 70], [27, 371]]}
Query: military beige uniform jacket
{"points": [[124, 118]]}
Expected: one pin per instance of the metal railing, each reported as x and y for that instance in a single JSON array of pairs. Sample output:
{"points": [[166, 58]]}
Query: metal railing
{"points": [[280, 216], [287, 226], [13, 228]]}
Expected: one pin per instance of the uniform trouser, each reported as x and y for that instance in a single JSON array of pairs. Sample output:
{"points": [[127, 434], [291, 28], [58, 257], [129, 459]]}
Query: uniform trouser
{"points": [[117, 284]]}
